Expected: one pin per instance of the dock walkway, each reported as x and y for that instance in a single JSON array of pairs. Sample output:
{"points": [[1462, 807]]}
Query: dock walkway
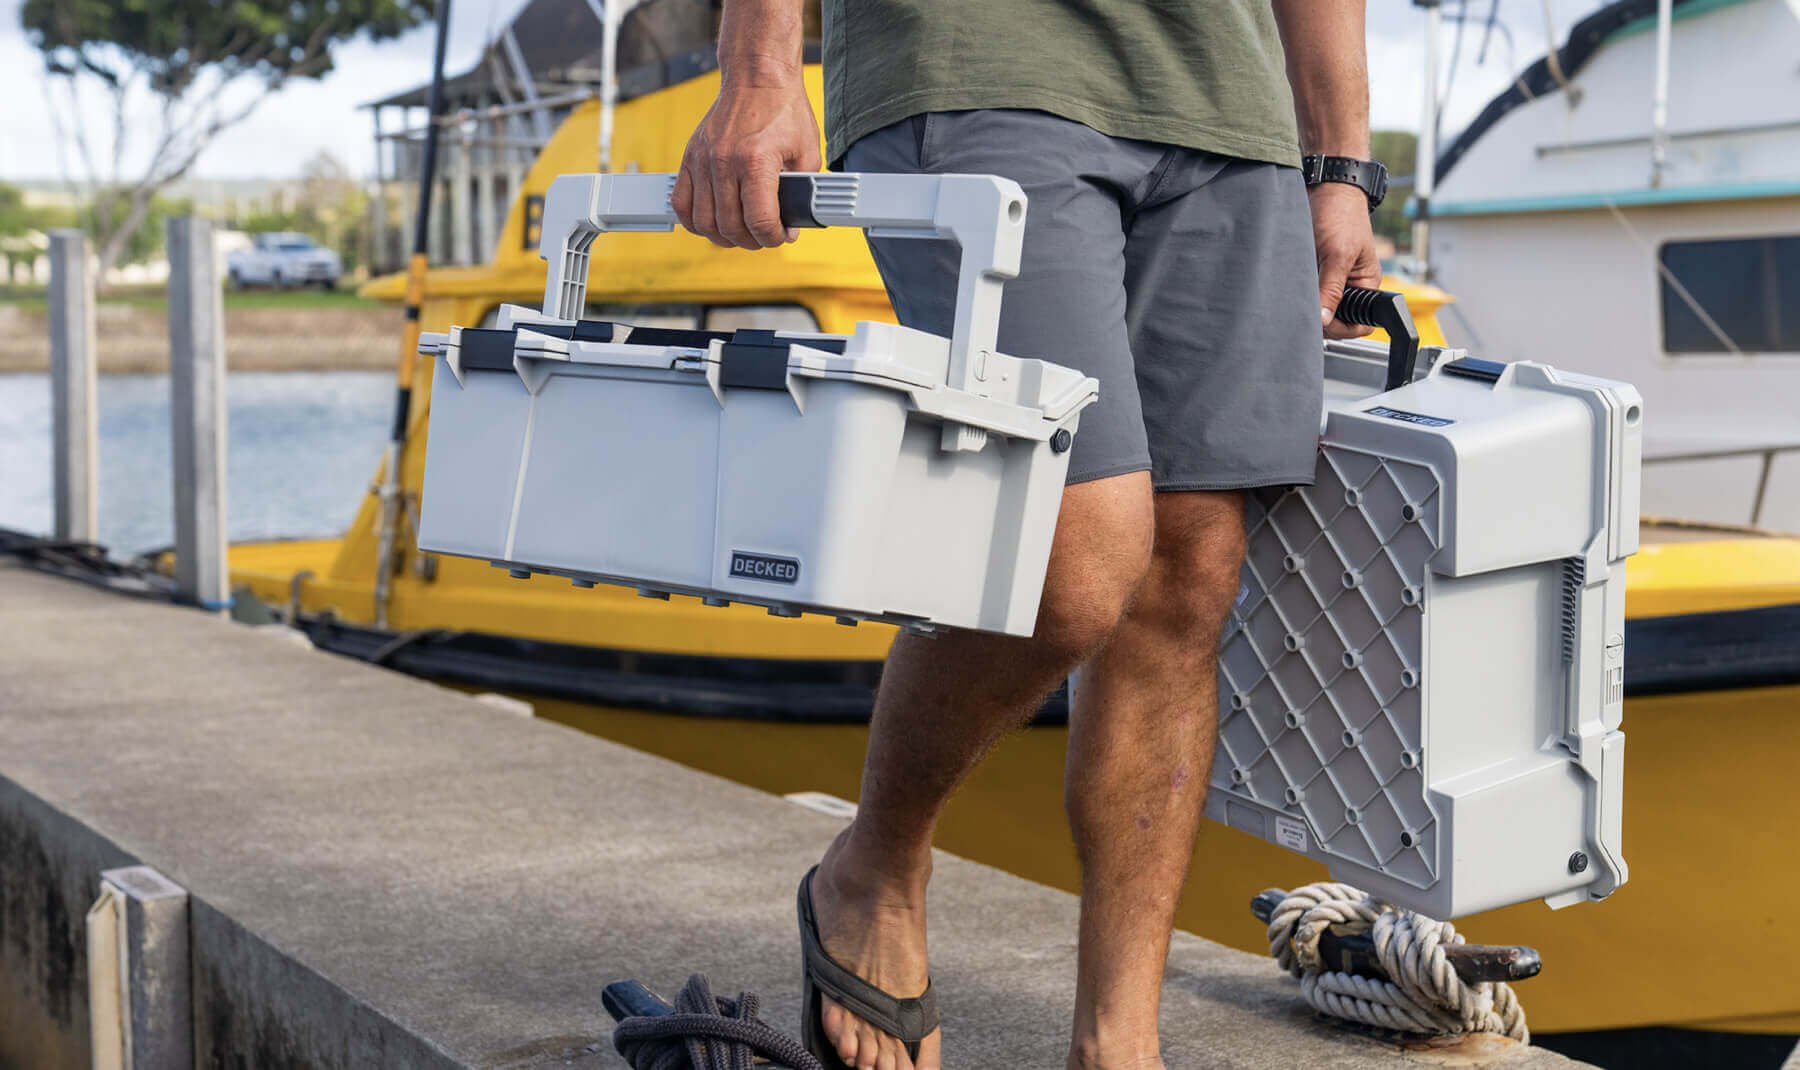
{"points": [[388, 873]]}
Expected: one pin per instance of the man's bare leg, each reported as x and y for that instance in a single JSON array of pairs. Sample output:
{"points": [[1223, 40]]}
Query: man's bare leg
{"points": [[942, 706], [1140, 751]]}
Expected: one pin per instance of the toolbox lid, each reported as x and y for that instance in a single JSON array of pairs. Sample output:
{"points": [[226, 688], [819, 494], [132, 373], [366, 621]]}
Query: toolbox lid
{"points": [[1024, 398]]}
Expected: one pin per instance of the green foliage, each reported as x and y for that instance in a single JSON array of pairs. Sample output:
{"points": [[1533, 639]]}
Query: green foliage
{"points": [[172, 41], [1397, 150], [13, 219], [18, 218], [147, 240]]}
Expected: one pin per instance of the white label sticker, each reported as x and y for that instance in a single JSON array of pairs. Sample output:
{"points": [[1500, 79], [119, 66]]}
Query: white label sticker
{"points": [[1291, 834]]}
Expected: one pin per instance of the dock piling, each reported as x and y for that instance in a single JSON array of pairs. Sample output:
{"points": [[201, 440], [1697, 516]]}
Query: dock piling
{"points": [[73, 424], [197, 413]]}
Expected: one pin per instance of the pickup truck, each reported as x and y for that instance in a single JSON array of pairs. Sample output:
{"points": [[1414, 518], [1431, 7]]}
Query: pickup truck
{"points": [[282, 260]]}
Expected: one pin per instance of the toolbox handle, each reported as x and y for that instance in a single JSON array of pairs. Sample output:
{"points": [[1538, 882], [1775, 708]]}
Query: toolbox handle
{"points": [[983, 214], [1385, 309]]}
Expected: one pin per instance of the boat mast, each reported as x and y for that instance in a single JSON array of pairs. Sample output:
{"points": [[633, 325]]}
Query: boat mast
{"points": [[1659, 108], [409, 347], [1425, 165]]}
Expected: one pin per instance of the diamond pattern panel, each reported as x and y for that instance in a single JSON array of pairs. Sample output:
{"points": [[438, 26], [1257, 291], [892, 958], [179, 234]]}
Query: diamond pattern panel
{"points": [[1320, 717]]}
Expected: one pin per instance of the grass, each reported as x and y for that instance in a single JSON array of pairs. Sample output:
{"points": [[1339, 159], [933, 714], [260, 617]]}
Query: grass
{"points": [[34, 298]]}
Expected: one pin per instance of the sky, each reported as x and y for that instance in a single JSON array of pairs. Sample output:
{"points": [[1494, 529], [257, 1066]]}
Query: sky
{"points": [[312, 116]]}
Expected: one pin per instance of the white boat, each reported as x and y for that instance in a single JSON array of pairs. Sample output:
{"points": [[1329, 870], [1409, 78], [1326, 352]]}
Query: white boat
{"points": [[1641, 220]]}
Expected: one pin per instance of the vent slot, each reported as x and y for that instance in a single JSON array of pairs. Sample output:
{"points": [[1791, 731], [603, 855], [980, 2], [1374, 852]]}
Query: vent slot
{"points": [[1573, 580]]}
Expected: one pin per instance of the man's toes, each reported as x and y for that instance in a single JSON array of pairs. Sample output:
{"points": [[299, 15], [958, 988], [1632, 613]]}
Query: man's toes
{"points": [[868, 1047], [892, 1057], [847, 1044]]}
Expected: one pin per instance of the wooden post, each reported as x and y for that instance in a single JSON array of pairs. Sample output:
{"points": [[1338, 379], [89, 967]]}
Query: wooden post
{"points": [[197, 413], [73, 428]]}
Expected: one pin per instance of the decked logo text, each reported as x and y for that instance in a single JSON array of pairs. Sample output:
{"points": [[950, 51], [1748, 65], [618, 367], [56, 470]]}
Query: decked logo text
{"points": [[1409, 417], [764, 567]]}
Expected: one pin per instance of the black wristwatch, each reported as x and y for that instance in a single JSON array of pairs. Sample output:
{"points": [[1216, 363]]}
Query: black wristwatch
{"points": [[1366, 175]]}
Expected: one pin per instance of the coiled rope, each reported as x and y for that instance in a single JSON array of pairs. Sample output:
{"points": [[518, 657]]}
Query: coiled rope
{"points": [[1424, 993], [707, 1033]]}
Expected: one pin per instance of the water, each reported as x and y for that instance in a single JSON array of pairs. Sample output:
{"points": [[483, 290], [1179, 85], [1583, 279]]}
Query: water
{"points": [[303, 447]]}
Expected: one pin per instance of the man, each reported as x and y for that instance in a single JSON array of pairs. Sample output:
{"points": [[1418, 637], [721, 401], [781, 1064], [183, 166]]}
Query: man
{"points": [[1171, 250]]}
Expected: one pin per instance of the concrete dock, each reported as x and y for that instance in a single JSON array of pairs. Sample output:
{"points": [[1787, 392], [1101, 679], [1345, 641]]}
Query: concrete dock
{"points": [[384, 872]]}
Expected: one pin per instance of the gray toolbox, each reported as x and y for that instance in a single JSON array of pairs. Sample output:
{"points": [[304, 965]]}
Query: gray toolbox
{"points": [[890, 475], [1422, 680]]}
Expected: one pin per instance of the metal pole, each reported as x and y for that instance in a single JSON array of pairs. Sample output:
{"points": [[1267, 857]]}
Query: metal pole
{"points": [[1762, 488], [540, 120], [439, 246], [1659, 108], [74, 463], [462, 215], [515, 167], [487, 227], [1425, 166], [611, 15], [197, 413], [378, 225], [608, 15], [409, 344]]}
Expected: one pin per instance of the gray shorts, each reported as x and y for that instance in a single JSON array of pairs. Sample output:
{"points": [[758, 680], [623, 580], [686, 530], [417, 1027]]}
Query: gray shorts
{"points": [[1184, 281]]}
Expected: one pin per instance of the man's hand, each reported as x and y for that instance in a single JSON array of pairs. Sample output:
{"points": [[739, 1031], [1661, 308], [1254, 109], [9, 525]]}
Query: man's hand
{"points": [[761, 125], [1346, 249], [726, 191]]}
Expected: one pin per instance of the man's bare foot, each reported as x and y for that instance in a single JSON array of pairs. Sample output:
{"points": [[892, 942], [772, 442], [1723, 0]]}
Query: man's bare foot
{"points": [[875, 926], [1094, 1060]]}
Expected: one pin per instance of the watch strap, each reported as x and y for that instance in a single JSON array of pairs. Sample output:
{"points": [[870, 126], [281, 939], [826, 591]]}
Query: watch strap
{"points": [[1367, 175]]}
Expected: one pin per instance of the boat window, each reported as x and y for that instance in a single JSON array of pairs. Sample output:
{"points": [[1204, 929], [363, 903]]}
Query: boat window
{"points": [[796, 318], [679, 317], [1743, 285]]}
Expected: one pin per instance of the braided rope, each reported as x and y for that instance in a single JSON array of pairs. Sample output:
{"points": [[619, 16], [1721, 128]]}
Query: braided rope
{"points": [[707, 1033], [1423, 993]]}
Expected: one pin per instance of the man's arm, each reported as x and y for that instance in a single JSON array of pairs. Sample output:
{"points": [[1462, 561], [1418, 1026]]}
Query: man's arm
{"points": [[761, 125], [1328, 69]]}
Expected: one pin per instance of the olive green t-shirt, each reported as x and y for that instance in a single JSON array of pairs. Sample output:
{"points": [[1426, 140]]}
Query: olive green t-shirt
{"points": [[1203, 74]]}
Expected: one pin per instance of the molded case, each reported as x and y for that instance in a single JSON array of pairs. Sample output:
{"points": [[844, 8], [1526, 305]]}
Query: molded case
{"points": [[1422, 680]]}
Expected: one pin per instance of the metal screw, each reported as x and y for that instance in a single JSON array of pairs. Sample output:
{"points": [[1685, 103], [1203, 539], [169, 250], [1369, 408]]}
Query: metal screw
{"points": [[1061, 440], [1578, 862]]}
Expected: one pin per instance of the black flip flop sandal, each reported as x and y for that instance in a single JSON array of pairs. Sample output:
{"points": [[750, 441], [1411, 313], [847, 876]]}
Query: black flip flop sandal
{"points": [[907, 1020]]}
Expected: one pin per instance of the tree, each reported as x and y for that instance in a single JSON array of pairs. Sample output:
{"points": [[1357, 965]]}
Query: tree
{"points": [[22, 228], [1397, 150], [15, 218], [143, 242], [206, 63]]}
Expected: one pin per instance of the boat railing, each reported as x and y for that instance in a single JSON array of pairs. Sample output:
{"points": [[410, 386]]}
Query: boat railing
{"points": [[1766, 452]]}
